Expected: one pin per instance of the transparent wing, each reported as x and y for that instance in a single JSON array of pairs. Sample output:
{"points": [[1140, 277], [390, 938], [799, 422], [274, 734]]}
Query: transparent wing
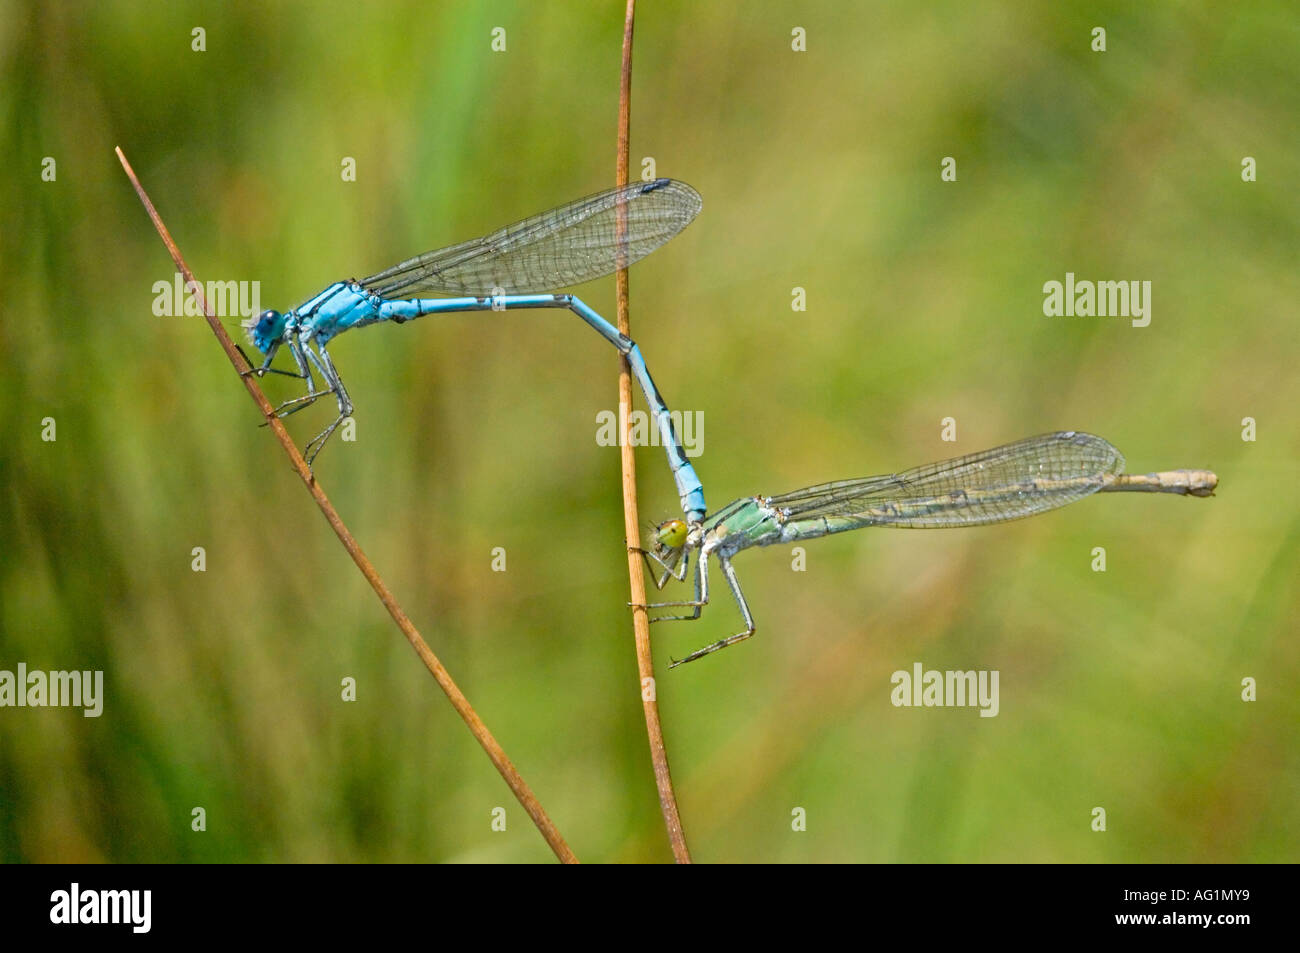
{"points": [[562, 247], [1020, 479]]}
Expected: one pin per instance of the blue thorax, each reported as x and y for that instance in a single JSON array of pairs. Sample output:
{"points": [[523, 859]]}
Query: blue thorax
{"points": [[343, 305]]}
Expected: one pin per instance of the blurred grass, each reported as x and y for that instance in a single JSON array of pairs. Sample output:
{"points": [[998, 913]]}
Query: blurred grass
{"points": [[818, 170]]}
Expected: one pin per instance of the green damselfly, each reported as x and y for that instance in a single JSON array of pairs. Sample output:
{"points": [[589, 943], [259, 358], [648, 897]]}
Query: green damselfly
{"points": [[1020, 479]]}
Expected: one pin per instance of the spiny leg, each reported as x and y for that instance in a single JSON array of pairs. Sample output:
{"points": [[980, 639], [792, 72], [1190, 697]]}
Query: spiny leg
{"points": [[697, 604], [255, 370], [652, 561], [326, 367], [295, 404], [730, 573], [669, 573]]}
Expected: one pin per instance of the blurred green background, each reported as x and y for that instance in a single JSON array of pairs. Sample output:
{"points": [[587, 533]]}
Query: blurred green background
{"points": [[819, 170]]}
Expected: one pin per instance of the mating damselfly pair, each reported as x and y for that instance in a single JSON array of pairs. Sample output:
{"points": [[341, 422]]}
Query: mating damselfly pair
{"points": [[593, 237]]}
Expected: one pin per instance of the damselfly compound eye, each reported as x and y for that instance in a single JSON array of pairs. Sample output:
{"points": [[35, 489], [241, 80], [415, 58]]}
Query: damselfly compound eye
{"points": [[671, 534]]}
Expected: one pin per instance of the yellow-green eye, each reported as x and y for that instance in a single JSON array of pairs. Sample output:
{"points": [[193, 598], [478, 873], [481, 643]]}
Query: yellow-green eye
{"points": [[671, 533]]}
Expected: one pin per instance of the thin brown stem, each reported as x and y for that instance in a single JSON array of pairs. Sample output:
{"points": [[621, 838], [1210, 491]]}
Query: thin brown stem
{"points": [[435, 667], [636, 579]]}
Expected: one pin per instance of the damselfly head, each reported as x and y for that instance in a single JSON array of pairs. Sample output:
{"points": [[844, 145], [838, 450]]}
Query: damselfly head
{"points": [[265, 330], [670, 535]]}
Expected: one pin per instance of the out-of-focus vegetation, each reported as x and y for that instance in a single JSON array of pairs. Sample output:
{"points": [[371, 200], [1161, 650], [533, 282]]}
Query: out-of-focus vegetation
{"points": [[820, 170]]}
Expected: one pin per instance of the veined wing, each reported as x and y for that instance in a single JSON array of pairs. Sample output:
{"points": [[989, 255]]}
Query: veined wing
{"points": [[555, 249], [1020, 479]]}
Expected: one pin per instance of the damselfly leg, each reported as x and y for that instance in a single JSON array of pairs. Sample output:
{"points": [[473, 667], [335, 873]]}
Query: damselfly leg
{"points": [[699, 602], [326, 367], [729, 571]]}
